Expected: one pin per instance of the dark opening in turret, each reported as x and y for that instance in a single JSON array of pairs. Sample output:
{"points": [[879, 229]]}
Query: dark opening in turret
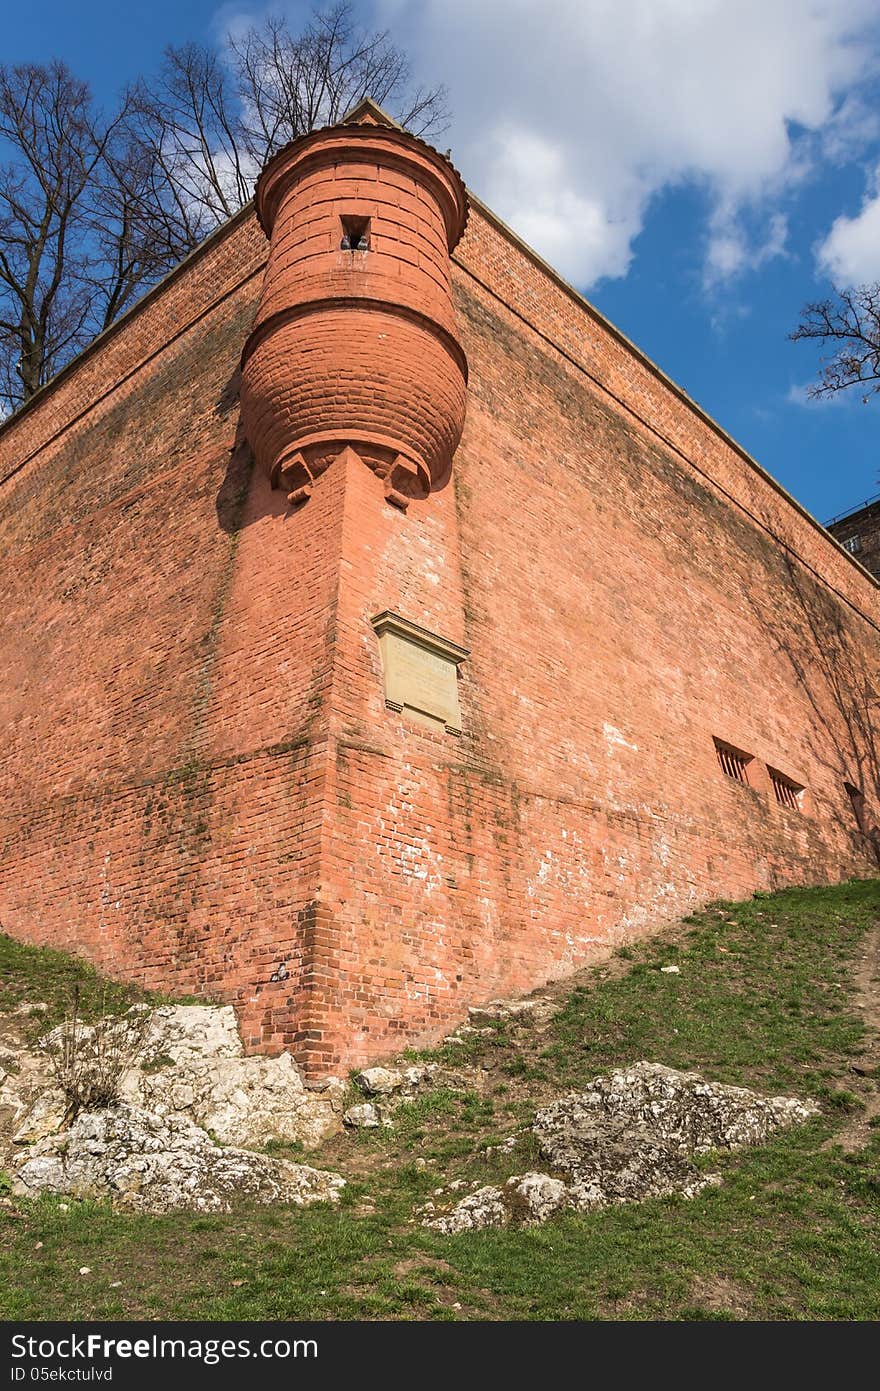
{"points": [[355, 234]]}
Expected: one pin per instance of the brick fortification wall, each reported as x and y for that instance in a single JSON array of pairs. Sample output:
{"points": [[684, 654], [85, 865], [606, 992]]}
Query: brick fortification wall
{"points": [[202, 787]]}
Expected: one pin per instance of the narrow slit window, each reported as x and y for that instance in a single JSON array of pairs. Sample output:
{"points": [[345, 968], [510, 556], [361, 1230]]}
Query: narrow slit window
{"points": [[857, 802], [785, 790], [355, 233], [734, 763]]}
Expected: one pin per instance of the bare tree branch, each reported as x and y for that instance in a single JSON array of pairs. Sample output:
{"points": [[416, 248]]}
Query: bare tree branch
{"points": [[291, 83], [59, 258], [850, 327]]}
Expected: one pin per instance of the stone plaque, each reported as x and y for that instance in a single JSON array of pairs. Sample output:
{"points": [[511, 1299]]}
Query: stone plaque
{"points": [[420, 671]]}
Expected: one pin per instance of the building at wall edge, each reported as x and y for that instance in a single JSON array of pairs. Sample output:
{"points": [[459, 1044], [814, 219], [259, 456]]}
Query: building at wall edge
{"points": [[382, 632], [858, 531]]}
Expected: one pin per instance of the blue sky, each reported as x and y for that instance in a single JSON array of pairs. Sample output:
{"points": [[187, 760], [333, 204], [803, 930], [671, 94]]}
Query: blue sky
{"points": [[698, 168]]}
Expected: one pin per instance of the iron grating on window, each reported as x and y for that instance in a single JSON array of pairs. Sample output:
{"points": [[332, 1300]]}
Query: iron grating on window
{"points": [[733, 762], [786, 792]]}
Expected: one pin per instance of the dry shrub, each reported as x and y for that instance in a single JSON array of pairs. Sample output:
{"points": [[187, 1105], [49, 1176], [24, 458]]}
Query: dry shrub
{"points": [[88, 1060]]}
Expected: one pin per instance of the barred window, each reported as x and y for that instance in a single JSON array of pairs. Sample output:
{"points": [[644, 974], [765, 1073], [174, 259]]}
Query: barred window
{"points": [[785, 790], [733, 762]]}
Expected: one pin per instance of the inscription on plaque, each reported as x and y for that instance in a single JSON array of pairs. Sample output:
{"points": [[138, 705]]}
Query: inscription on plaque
{"points": [[420, 671]]}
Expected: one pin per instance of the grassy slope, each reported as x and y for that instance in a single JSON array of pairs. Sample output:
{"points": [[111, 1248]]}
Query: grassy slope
{"points": [[764, 997], [31, 974]]}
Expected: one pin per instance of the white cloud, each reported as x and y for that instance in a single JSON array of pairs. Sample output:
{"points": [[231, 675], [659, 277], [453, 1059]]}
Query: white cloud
{"points": [[571, 115], [526, 182], [800, 395], [854, 124], [850, 254], [731, 250]]}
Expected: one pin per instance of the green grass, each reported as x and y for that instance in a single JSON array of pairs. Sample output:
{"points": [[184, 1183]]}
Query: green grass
{"points": [[764, 998], [39, 974]]}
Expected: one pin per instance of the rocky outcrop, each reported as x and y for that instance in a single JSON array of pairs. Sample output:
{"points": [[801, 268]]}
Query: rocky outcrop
{"points": [[484, 1208], [533, 1012], [679, 1110], [154, 1163], [627, 1138], [190, 1064], [151, 1149], [364, 1116], [525, 1200], [195, 1066], [610, 1161]]}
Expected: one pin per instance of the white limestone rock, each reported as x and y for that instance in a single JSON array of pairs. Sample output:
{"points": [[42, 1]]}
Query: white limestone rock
{"points": [[190, 1063], [419, 1075], [485, 1208], [379, 1081], [610, 1161], [678, 1109], [186, 1033], [628, 1137], [42, 1118], [156, 1163], [525, 1200], [364, 1116], [395, 1083], [243, 1101], [535, 1011], [31, 1105], [532, 1198]]}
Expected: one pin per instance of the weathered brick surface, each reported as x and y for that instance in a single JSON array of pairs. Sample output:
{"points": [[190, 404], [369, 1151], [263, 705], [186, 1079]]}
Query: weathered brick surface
{"points": [[200, 780]]}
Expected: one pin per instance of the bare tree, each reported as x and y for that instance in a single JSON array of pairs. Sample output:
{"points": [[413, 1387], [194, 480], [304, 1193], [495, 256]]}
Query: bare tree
{"points": [[210, 121], [188, 127], [45, 125], [126, 222], [70, 257], [849, 326], [293, 83]]}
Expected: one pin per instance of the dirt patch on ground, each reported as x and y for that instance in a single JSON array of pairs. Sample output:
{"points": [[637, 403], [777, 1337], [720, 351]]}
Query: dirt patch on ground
{"points": [[717, 1295], [434, 1267], [865, 1069]]}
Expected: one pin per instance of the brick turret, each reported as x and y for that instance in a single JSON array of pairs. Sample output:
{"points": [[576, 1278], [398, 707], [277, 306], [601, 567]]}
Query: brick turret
{"points": [[355, 342]]}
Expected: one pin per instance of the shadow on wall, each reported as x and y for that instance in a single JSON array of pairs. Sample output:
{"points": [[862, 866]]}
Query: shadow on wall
{"points": [[842, 688], [233, 491]]}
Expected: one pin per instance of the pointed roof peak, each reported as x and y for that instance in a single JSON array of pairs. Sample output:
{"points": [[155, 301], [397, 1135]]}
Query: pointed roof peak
{"points": [[370, 113]]}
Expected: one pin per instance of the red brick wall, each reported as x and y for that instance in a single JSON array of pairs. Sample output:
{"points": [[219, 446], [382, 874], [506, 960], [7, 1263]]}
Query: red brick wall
{"points": [[199, 777]]}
